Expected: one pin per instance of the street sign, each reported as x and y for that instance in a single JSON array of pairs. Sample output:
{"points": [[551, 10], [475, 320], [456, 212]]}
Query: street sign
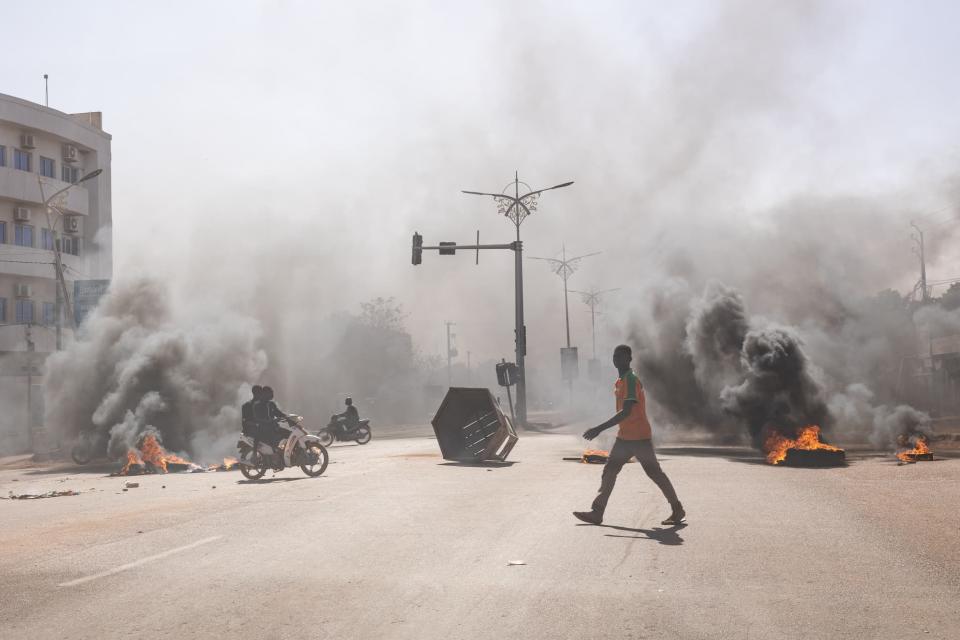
{"points": [[86, 296]]}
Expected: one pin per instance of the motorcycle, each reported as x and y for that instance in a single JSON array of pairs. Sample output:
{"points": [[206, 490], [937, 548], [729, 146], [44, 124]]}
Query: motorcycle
{"points": [[335, 431], [299, 449]]}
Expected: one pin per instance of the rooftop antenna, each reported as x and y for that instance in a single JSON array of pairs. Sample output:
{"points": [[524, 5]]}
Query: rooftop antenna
{"points": [[46, 90]]}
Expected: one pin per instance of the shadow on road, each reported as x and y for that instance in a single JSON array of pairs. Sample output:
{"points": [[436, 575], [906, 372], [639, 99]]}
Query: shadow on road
{"points": [[668, 536], [489, 464], [269, 480]]}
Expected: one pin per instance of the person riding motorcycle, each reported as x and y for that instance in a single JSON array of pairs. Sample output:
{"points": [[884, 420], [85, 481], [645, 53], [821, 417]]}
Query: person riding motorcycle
{"points": [[248, 421], [349, 419], [268, 416]]}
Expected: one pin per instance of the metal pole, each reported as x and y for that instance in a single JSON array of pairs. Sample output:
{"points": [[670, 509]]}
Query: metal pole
{"points": [[593, 325], [923, 263], [449, 358], [566, 304], [46, 90], [30, 347], [520, 329]]}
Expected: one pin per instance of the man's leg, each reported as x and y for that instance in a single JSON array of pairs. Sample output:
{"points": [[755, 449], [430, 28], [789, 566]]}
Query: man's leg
{"points": [[619, 455], [643, 450]]}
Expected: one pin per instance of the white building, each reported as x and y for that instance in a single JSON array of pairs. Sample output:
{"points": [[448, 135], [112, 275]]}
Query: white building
{"points": [[43, 150]]}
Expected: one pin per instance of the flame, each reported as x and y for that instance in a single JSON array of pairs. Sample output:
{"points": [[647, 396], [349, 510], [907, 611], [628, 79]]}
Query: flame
{"points": [[599, 453], [777, 445], [153, 452], [228, 463], [919, 448], [133, 458]]}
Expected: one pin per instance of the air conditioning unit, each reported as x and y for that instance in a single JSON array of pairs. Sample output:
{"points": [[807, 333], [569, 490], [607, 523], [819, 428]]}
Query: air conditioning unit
{"points": [[21, 214], [71, 224], [22, 291], [70, 153], [27, 141]]}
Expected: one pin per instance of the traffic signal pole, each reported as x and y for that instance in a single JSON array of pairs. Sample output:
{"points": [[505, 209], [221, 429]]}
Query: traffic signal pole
{"points": [[449, 249], [516, 207]]}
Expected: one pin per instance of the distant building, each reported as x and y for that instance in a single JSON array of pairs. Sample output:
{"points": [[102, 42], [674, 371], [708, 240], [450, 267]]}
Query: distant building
{"points": [[39, 145]]}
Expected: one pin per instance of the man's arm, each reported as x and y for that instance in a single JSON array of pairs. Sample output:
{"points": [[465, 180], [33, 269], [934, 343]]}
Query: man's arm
{"points": [[590, 434]]}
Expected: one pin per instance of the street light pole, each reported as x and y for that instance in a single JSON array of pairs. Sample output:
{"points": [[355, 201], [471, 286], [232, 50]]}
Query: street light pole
{"points": [[62, 293], [516, 208], [592, 299], [565, 268]]}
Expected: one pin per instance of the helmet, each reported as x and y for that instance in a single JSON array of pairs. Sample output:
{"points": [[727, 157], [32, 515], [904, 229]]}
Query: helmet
{"points": [[348, 401]]}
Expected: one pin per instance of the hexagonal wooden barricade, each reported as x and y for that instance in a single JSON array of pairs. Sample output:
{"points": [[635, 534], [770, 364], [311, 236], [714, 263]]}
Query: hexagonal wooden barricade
{"points": [[470, 426]]}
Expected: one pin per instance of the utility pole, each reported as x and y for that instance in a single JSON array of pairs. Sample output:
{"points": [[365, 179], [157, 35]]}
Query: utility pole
{"points": [[517, 208], [919, 250], [451, 352], [565, 268], [469, 373], [592, 299], [63, 296], [28, 336]]}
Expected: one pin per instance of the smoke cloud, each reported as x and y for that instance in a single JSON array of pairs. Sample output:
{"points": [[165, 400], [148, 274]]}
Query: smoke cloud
{"points": [[136, 366]]}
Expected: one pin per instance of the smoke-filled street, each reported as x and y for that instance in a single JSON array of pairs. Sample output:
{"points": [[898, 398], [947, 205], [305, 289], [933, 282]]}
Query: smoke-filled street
{"points": [[392, 541]]}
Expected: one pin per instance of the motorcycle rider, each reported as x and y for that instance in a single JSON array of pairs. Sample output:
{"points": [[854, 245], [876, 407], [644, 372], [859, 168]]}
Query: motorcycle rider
{"points": [[349, 419], [268, 416], [248, 422]]}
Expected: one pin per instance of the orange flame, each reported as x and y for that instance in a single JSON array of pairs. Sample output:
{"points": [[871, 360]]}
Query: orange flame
{"points": [[133, 458], [153, 452], [777, 445], [228, 463], [919, 448], [594, 453]]}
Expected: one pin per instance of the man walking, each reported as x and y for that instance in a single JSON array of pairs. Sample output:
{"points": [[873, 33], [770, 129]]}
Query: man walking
{"points": [[633, 440]]}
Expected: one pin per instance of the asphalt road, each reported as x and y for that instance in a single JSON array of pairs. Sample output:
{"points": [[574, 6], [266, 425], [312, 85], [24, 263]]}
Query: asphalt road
{"points": [[394, 543]]}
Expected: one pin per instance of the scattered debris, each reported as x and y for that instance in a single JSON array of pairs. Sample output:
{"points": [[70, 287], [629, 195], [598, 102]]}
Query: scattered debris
{"points": [[37, 496], [132, 485], [516, 563]]}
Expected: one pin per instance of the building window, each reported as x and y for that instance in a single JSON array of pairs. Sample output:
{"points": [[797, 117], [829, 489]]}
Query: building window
{"points": [[21, 160], [3, 156], [3, 309], [46, 239], [3, 232], [23, 235], [69, 174], [47, 167], [49, 313], [24, 311], [70, 244]]}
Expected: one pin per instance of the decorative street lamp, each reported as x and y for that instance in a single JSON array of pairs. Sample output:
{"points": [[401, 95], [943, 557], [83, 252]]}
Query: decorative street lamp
{"points": [[518, 208]]}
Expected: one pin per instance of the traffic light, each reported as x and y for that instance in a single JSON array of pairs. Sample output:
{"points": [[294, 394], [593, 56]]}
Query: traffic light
{"points": [[448, 249], [417, 248]]}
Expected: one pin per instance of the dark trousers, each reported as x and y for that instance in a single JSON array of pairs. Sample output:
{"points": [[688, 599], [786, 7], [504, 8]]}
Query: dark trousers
{"points": [[622, 451]]}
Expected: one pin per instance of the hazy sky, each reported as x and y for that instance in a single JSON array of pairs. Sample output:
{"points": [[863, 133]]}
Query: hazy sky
{"points": [[308, 140]]}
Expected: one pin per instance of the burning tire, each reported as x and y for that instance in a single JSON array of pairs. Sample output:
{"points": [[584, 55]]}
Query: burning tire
{"points": [[315, 469], [257, 467], [363, 435]]}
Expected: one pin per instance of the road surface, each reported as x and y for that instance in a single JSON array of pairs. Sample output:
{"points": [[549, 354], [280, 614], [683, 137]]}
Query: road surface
{"points": [[392, 542]]}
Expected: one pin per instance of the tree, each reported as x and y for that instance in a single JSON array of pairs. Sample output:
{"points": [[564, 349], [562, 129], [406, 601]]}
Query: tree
{"points": [[950, 300]]}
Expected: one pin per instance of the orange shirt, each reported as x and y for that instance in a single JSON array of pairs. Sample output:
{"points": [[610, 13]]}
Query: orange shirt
{"points": [[635, 426]]}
